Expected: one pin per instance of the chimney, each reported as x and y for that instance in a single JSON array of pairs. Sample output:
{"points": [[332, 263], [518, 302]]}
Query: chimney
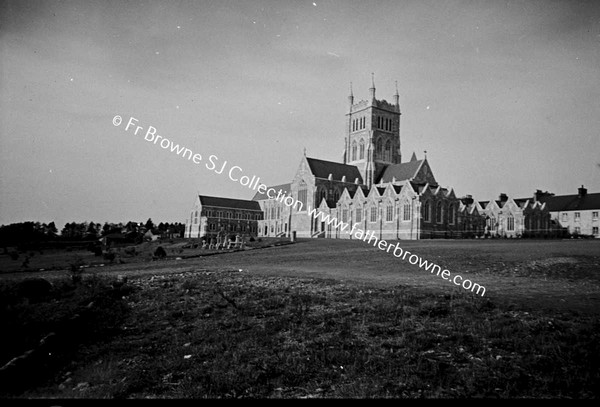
{"points": [[467, 200], [581, 191], [538, 195], [503, 197]]}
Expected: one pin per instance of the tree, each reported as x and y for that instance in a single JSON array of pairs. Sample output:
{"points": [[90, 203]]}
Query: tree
{"points": [[51, 231], [91, 232], [149, 225]]}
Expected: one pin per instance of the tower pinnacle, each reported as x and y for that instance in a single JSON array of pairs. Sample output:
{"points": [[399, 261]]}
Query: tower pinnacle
{"points": [[397, 96], [351, 96], [372, 89]]}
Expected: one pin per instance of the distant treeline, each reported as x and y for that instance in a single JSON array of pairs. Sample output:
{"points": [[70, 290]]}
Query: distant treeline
{"points": [[28, 234]]}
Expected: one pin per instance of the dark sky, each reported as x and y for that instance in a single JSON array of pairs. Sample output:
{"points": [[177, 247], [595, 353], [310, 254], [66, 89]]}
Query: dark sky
{"points": [[503, 95]]}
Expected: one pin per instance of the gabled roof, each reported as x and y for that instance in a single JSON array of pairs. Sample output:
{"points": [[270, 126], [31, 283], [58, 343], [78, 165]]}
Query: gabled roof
{"points": [[400, 172], [322, 169], [571, 202], [285, 190], [206, 200]]}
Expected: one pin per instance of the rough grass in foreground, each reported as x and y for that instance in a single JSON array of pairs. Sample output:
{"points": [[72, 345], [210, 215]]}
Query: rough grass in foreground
{"points": [[227, 334]]}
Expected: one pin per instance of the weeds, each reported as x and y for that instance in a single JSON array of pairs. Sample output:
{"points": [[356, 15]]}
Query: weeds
{"points": [[218, 334]]}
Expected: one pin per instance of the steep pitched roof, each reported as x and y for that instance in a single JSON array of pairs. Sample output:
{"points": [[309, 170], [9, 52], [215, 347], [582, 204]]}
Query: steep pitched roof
{"points": [[322, 169], [572, 202], [285, 190], [400, 172], [229, 203]]}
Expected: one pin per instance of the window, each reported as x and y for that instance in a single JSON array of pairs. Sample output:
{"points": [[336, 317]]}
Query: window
{"points": [[322, 195], [358, 214], [212, 226], [565, 217], [354, 150], [388, 151], [577, 230], [451, 214], [426, 211], [438, 213], [577, 216], [379, 148], [336, 195], [278, 212], [302, 197], [595, 230], [406, 211], [344, 215], [361, 150], [510, 223], [373, 214], [389, 213], [594, 215]]}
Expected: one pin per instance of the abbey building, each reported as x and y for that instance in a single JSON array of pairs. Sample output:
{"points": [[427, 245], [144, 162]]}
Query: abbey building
{"points": [[373, 189]]}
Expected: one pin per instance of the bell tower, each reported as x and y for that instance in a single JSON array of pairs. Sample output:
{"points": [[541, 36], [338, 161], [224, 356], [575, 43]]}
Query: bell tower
{"points": [[372, 134]]}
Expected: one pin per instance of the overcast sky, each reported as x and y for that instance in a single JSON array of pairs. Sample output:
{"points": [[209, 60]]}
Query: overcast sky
{"points": [[503, 95]]}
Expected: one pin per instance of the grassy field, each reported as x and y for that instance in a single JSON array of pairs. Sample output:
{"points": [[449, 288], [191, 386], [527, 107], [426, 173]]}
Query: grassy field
{"points": [[326, 318]]}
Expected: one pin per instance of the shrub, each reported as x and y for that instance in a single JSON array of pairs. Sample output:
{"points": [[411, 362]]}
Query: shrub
{"points": [[160, 252]]}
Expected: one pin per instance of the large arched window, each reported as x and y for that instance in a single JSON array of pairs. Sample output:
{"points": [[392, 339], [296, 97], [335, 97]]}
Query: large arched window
{"points": [[426, 211], [439, 213], [303, 196], [451, 214], [322, 195], [361, 150], [388, 151], [354, 150], [379, 148]]}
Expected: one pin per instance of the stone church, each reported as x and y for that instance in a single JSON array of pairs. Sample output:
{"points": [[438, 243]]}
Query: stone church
{"points": [[373, 189]]}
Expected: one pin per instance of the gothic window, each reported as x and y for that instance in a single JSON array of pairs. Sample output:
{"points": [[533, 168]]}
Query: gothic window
{"points": [[303, 196], [406, 211], [344, 215], [373, 214], [389, 213], [359, 214], [322, 195], [278, 212], [361, 150], [379, 148], [510, 223], [426, 209], [439, 212], [336, 195], [451, 214], [353, 150], [388, 151]]}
